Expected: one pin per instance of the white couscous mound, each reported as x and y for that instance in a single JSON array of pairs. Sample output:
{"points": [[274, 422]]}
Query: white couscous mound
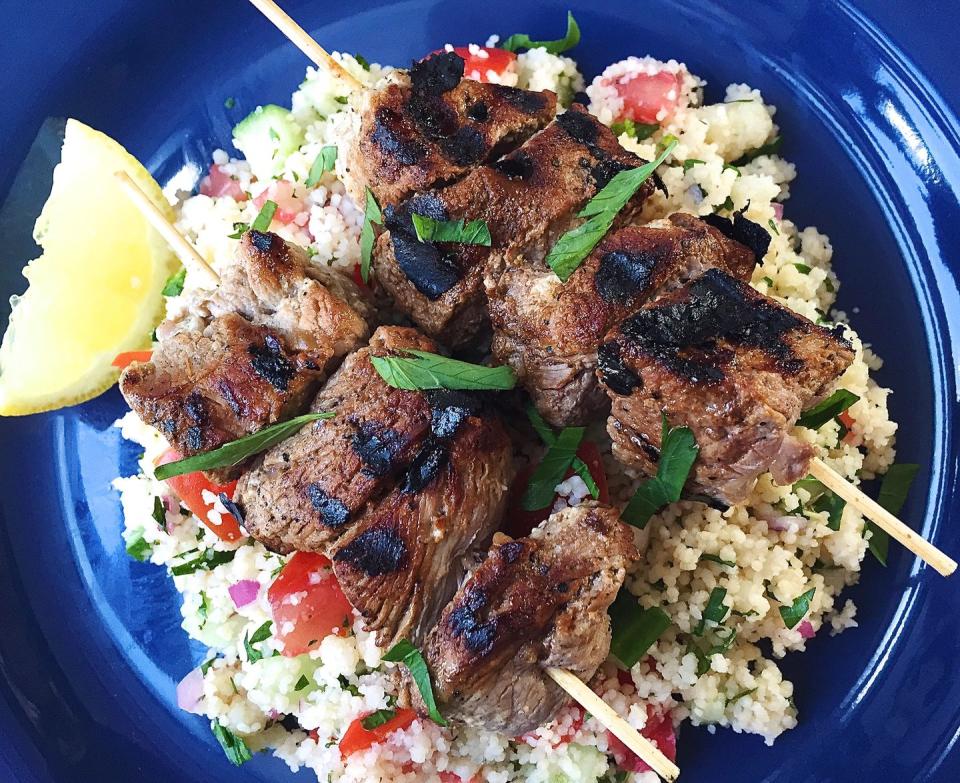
{"points": [[758, 557]]}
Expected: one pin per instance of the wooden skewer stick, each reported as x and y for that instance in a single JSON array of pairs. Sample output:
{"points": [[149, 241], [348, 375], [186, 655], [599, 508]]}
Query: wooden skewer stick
{"points": [[187, 253], [298, 36], [604, 713], [882, 518]]}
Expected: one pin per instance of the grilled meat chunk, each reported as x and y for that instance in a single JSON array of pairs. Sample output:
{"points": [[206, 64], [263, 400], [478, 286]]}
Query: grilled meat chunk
{"points": [[734, 366], [248, 354], [549, 331], [395, 489], [527, 199], [432, 126], [533, 603]]}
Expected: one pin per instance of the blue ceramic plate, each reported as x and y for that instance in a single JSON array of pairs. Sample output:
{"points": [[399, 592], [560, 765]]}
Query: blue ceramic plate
{"points": [[90, 644]]}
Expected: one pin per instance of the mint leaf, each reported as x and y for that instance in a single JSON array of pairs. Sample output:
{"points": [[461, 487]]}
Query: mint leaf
{"points": [[634, 628], [371, 215], [822, 412], [522, 41], [794, 613], [429, 230], [324, 162], [423, 370], [404, 652], [264, 217]]}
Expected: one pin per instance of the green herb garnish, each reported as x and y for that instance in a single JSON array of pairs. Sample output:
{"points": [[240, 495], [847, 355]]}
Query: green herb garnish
{"points": [[552, 468], [404, 652], [634, 628], [737, 696], [549, 437], [260, 635], [174, 284], [678, 450], [794, 613], [519, 41], [348, 686], [423, 370], [772, 147], [139, 549], [833, 505], [302, 683], [814, 418], [237, 451], [203, 611], [689, 163], [803, 269], [371, 215], [703, 662], [230, 102], [635, 130], [378, 718], [234, 747], [264, 217], [575, 245], [727, 205], [717, 559], [893, 494], [239, 229], [773, 227], [714, 611], [323, 163], [731, 167], [362, 61], [429, 230], [159, 514], [205, 666], [207, 561]]}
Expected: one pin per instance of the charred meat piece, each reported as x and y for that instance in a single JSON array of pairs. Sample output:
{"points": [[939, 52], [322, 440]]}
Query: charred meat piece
{"points": [[206, 388], [433, 126], [734, 366], [395, 489], [308, 490], [533, 603], [527, 199], [549, 331], [248, 354]]}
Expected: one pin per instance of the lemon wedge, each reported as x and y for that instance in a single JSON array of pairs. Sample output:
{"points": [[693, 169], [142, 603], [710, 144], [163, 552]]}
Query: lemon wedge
{"points": [[96, 290]]}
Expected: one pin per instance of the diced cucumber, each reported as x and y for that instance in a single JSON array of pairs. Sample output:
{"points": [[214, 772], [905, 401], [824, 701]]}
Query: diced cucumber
{"points": [[266, 137]]}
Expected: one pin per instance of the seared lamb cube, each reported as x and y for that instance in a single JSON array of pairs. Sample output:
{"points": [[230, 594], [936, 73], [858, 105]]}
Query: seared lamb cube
{"points": [[735, 367], [396, 488], [527, 199], [549, 331], [250, 353], [533, 603], [432, 126]]}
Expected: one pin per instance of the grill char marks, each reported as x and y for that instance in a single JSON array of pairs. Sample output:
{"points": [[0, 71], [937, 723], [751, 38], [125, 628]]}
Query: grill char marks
{"points": [[394, 489], [532, 603], [430, 127], [248, 354], [549, 332], [731, 364], [527, 199]]}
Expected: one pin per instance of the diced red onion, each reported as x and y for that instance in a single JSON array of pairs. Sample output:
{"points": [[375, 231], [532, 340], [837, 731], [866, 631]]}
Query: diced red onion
{"points": [[244, 592], [777, 210], [783, 523], [806, 630], [190, 691]]}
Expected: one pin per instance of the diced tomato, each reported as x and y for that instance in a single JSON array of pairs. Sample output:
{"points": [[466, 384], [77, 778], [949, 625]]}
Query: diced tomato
{"points": [[307, 603], [190, 488], [476, 66], [519, 522], [645, 96], [659, 729], [219, 183], [289, 207], [356, 737], [358, 277], [129, 357]]}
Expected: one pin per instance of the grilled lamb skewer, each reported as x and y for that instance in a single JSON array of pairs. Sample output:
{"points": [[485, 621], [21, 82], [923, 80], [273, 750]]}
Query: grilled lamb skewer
{"points": [[395, 490], [533, 603], [527, 199], [734, 366], [549, 331], [249, 354], [431, 126]]}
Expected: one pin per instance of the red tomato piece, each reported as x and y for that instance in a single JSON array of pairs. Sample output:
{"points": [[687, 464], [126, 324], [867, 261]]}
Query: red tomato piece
{"points": [[847, 421], [280, 192], [645, 96], [126, 358], [190, 487], [476, 66], [659, 729], [218, 183], [356, 737], [307, 603], [358, 277], [519, 522]]}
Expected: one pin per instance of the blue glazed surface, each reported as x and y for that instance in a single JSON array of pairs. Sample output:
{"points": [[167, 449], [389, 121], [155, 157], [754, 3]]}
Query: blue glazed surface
{"points": [[90, 645]]}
